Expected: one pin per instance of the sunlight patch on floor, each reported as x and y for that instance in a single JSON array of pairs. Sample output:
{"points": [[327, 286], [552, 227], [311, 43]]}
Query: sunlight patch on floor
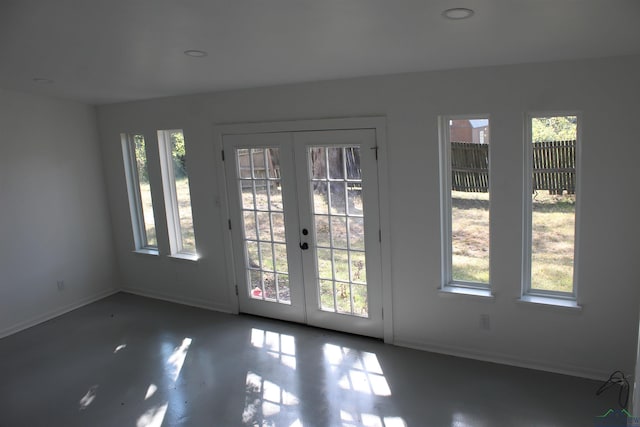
{"points": [[119, 348], [369, 420], [265, 400], [360, 370], [278, 346], [150, 391], [153, 417], [176, 360], [88, 398], [462, 420]]}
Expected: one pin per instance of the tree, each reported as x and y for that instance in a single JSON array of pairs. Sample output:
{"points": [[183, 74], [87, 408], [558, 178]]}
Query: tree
{"points": [[178, 154], [141, 158], [561, 128]]}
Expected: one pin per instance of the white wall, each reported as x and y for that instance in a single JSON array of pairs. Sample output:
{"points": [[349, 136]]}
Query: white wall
{"points": [[54, 220], [593, 342]]}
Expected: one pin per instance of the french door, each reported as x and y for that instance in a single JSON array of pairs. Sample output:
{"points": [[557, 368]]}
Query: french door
{"points": [[305, 227]]}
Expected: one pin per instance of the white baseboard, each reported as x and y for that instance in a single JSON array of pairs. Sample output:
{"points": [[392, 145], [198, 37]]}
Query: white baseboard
{"points": [[557, 368], [193, 302], [55, 313], [576, 371]]}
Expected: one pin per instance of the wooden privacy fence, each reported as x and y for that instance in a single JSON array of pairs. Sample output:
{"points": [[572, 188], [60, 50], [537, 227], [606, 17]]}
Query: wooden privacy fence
{"points": [[554, 166], [265, 166], [470, 167]]}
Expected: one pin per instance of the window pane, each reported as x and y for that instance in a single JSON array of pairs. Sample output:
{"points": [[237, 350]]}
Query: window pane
{"points": [[553, 202], [177, 194], [469, 139], [146, 203], [178, 156]]}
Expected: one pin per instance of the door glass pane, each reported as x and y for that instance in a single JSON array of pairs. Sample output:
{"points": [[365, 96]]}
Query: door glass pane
{"points": [[337, 197], [352, 157], [277, 221], [250, 225], [318, 164], [264, 225], [354, 194], [327, 300], [320, 196], [339, 231], [322, 230], [358, 272], [262, 194], [341, 265], [360, 299], [335, 162], [258, 165], [260, 190], [325, 264], [280, 255], [356, 233], [336, 188]]}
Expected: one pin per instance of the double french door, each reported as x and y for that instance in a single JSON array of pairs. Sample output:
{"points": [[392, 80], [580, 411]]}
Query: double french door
{"points": [[305, 234]]}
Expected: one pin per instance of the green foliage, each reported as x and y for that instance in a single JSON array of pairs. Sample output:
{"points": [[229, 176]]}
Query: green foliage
{"points": [[561, 128], [141, 158], [178, 154]]}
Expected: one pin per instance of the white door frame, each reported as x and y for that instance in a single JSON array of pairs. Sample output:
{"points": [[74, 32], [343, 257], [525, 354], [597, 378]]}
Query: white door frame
{"points": [[378, 124]]}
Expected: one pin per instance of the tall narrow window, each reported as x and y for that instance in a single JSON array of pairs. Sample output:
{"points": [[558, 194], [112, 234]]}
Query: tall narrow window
{"points": [[465, 201], [140, 201], [551, 205], [176, 192]]}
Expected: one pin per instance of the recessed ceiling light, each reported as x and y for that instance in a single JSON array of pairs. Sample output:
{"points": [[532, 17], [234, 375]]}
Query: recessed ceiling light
{"points": [[458, 13], [42, 81], [195, 53]]}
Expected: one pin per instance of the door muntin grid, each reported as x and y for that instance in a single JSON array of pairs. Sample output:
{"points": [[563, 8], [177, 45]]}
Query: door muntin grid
{"points": [[263, 227], [338, 220]]}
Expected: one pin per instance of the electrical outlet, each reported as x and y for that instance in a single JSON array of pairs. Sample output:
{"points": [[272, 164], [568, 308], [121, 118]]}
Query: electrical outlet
{"points": [[485, 322], [60, 284]]}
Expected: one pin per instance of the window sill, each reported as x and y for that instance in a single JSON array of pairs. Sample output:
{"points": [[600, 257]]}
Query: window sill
{"points": [[143, 251], [185, 257], [550, 302], [484, 294]]}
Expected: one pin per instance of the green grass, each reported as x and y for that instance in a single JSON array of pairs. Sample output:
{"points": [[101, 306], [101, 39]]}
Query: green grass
{"points": [[340, 272], [186, 215], [553, 236], [147, 214], [184, 211], [470, 237]]}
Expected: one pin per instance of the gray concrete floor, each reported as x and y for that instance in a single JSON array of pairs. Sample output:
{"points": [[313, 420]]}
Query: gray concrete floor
{"points": [[131, 361]]}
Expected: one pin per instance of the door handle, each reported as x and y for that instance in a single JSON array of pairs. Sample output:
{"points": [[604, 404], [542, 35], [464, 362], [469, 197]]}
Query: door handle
{"points": [[304, 246]]}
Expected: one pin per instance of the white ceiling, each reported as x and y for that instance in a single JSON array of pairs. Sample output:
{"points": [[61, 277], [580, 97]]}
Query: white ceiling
{"points": [[102, 51]]}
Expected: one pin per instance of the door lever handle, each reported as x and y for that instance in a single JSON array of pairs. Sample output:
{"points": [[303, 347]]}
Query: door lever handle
{"points": [[304, 246]]}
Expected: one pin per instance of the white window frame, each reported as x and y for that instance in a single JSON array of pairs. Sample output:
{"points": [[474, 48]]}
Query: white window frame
{"points": [[135, 198], [447, 282], [174, 227], [527, 250]]}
